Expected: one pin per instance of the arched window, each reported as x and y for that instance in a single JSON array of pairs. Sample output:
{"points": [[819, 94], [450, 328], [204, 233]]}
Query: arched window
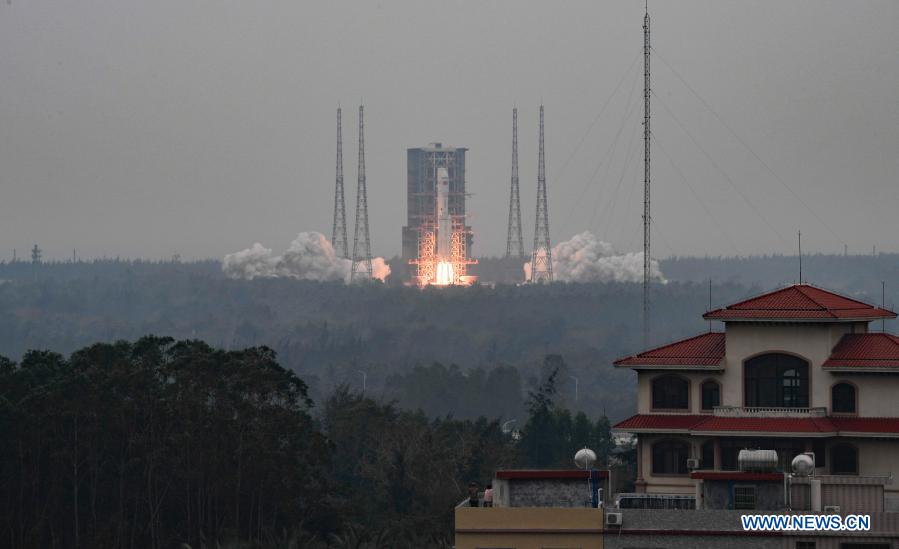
{"points": [[776, 380], [670, 392], [844, 460], [842, 398], [669, 457], [711, 395]]}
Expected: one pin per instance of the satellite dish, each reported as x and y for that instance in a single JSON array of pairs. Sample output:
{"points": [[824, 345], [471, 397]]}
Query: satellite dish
{"points": [[585, 458], [803, 465]]}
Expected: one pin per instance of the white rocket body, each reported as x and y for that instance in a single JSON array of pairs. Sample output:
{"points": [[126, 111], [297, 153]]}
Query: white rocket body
{"points": [[444, 223]]}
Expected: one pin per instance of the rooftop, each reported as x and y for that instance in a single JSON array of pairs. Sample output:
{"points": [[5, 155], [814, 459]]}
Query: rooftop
{"points": [[875, 350], [811, 426], [799, 302], [705, 351]]}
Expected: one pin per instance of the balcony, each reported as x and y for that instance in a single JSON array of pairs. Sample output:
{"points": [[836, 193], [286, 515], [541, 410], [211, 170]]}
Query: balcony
{"points": [[764, 411]]}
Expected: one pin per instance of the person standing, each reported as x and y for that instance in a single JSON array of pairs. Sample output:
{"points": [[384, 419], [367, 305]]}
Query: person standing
{"points": [[473, 494]]}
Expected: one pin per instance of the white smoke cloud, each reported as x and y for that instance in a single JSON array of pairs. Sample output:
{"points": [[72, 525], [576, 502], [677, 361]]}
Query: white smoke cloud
{"points": [[309, 257], [585, 258]]}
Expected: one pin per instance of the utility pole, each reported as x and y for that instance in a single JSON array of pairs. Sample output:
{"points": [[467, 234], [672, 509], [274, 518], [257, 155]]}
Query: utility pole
{"points": [[514, 242], [361, 266], [541, 257], [800, 257], [338, 229], [647, 256]]}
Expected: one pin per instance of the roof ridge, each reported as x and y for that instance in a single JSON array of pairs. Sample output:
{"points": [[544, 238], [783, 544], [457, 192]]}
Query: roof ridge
{"points": [[756, 296], [821, 306]]}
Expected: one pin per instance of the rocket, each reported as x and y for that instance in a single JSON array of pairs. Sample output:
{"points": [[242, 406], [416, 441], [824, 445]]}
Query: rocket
{"points": [[444, 223]]}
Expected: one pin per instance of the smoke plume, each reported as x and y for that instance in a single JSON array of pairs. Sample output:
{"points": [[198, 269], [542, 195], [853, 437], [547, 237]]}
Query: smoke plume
{"points": [[585, 258], [309, 257]]}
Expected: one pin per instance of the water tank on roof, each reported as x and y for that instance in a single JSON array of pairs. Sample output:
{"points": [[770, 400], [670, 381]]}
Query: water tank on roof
{"points": [[757, 460], [804, 464], [585, 458]]}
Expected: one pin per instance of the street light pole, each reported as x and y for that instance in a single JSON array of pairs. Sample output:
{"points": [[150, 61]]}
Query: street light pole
{"points": [[575, 387]]}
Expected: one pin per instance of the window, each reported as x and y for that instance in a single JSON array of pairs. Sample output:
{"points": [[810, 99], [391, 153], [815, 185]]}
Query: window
{"points": [[670, 392], [708, 454], [776, 380], [805, 545], [711, 395], [857, 545], [744, 497], [844, 460], [820, 450], [842, 398], [669, 457]]}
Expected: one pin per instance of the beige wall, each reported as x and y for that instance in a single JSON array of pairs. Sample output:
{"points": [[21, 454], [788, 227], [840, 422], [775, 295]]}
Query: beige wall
{"points": [[876, 393], [644, 387], [528, 527], [811, 342], [878, 457], [667, 484]]}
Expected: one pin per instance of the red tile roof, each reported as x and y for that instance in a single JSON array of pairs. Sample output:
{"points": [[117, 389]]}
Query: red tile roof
{"points": [[871, 350], [810, 426], [799, 302], [702, 350], [887, 425], [661, 422], [735, 475]]}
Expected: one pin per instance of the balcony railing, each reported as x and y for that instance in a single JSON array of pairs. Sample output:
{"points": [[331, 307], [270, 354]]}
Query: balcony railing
{"points": [[768, 411]]}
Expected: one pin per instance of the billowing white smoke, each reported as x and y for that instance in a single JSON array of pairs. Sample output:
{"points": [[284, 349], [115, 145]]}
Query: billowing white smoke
{"points": [[309, 257], [585, 258]]}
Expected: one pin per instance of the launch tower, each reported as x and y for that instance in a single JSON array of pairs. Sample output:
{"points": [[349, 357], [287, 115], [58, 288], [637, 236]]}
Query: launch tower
{"points": [[437, 239]]}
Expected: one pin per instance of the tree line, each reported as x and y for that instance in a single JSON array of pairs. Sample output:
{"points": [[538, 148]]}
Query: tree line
{"points": [[158, 443]]}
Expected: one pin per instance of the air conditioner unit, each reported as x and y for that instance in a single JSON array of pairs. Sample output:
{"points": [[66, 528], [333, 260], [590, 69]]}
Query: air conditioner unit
{"points": [[692, 464], [613, 519], [832, 509]]}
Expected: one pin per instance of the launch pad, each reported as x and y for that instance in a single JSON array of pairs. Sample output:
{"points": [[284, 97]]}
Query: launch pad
{"points": [[442, 258]]}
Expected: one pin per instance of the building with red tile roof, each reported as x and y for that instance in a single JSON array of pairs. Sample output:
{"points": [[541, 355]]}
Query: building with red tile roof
{"points": [[795, 370]]}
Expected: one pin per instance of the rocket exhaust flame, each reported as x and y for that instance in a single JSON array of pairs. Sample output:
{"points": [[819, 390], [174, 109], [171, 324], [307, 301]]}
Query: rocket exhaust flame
{"points": [[442, 241]]}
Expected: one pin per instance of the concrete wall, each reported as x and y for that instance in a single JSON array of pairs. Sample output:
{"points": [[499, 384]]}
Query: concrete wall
{"points": [[528, 528], [658, 529], [544, 492]]}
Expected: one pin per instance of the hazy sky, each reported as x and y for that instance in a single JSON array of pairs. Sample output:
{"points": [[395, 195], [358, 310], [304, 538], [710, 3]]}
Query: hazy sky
{"points": [[150, 128]]}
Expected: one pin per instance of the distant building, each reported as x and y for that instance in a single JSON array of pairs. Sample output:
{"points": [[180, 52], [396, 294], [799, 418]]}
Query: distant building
{"points": [[421, 189], [795, 370]]}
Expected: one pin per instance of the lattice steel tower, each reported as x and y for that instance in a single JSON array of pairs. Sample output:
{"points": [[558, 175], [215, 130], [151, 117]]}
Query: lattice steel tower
{"points": [[514, 242], [647, 219], [361, 266], [338, 230], [541, 257]]}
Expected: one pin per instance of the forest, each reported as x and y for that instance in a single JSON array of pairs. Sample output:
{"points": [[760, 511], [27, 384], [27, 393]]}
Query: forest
{"points": [[462, 351], [161, 443]]}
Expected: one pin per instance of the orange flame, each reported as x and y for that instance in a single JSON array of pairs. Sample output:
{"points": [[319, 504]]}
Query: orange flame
{"points": [[444, 275]]}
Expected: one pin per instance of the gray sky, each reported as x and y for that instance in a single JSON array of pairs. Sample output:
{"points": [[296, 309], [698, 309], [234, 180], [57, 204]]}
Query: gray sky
{"points": [[149, 128]]}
